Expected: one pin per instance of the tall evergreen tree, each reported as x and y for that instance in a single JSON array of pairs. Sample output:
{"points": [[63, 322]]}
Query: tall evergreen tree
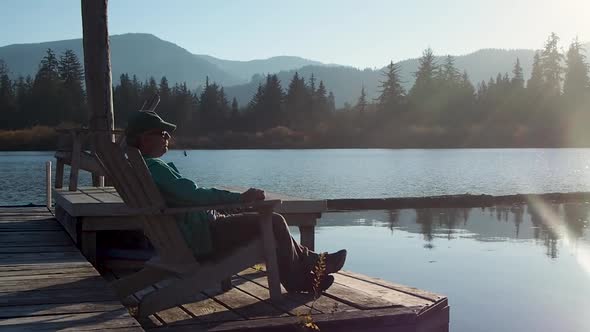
{"points": [[46, 106], [297, 102], [123, 101], [235, 111], [425, 76], [552, 70], [392, 94], [576, 82], [267, 104], [7, 98], [71, 74], [331, 102], [450, 73], [518, 76], [213, 107], [535, 83], [322, 103], [361, 104]]}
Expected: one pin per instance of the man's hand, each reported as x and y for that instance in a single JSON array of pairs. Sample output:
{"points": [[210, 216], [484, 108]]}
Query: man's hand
{"points": [[252, 195]]}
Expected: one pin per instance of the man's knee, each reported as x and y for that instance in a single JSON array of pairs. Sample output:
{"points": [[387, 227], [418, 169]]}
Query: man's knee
{"points": [[279, 223]]}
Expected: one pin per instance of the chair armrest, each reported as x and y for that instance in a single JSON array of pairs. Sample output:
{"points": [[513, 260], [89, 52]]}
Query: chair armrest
{"points": [[251, 205], [173, 211]]}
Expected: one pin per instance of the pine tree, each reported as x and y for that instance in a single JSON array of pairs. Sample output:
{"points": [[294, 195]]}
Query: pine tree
{"points": [[535, 83], [46, 105], [331, 102], [518, 78], [451, 74], [235, 111], [297, 102], [150, 88], [71, 74], [267, 104], [552, 70], [576, 83], [322, 105], [392, 93], [425, 76], [361, 104], [7, 98]]}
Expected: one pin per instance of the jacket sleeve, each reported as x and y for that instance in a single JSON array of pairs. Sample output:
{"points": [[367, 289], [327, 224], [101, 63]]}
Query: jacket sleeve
{"points": [[185, 191]]}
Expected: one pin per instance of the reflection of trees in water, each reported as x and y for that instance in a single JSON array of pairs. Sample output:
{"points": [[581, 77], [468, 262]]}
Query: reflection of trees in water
{"points": [[393, 219], [424, 219], [548, 222], [446, 218], [576, 216], [518, 211]]}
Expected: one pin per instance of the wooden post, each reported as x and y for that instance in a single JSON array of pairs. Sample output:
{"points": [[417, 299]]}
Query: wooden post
{"points": [[97, 68], [48, 182]]}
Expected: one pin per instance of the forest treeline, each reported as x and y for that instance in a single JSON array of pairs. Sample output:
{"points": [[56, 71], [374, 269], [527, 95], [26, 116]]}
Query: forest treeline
{"points": [[443, 108]]}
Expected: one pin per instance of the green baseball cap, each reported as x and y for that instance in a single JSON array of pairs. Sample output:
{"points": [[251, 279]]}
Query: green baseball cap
{"points": [[142, 121]]}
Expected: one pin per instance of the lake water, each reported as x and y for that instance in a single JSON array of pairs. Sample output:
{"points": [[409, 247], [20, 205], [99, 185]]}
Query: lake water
{"points": [[518, 268]]}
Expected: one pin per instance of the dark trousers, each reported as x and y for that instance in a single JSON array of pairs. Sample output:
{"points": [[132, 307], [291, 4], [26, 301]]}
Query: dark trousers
{"points": [[295, 261]]}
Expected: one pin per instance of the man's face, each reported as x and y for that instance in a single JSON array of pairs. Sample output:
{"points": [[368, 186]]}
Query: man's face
{"points": [[154, 143]]}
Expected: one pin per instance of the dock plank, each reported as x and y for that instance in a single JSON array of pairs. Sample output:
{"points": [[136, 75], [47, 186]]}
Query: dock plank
{"points": [[45, 282]]}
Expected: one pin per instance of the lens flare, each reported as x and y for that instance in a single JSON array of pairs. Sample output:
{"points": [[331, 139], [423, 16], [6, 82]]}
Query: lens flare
{"points": [[558, 224]]}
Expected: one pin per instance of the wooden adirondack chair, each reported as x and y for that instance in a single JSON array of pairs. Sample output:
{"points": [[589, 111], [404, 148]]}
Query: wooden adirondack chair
{"points": [[175, 263]]}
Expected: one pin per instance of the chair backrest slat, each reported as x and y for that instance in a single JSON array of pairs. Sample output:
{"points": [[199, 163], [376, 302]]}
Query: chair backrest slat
{"points": [[134, 183]]}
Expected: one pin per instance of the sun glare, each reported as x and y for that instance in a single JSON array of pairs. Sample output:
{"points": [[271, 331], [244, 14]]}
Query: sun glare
{"points": [[557, 223]]}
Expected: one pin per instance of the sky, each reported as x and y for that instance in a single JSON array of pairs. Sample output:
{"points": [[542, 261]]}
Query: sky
{"points": [[363, 34]]}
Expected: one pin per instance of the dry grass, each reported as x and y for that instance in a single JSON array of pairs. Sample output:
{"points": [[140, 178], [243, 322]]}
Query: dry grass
{"points": [[35, 138]]}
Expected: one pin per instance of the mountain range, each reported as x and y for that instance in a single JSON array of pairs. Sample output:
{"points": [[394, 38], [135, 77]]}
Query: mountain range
{"points": [[146, 55]]}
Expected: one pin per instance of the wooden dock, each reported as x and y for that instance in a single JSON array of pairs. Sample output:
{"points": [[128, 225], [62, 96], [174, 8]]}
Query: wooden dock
{"points": [[353, 303], [46, 284]]}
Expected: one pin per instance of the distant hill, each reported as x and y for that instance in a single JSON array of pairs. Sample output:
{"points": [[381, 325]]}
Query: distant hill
{"points": [[146, 55], [244, 70], [346, 82]]}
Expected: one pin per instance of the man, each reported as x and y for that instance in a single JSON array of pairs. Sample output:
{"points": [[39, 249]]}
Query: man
{"points": [[209, 233]]}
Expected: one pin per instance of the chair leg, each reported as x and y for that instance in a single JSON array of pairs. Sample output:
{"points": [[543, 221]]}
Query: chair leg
{"points": [[226, 284], [138, 281], [270, 254], [178, 292]]}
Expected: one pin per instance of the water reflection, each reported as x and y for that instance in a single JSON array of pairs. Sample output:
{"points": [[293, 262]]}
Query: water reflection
{"points": [[544, 224]]}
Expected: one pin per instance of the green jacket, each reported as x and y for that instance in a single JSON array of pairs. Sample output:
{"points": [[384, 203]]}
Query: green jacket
{"points": [[180, 191]]}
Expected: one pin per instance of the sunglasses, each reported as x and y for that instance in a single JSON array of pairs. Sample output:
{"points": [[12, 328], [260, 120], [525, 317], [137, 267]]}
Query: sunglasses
{"points": [[162, 133]]}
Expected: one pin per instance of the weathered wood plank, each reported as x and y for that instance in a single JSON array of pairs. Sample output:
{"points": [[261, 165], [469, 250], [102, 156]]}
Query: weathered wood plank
{"points": [[245, 304], [49, 296], [42, 257], [401, 288], [53, 309], [94, 321], [24, 210], [285, 304], [24, 284], [150, 321], [398, 320], [379, 292], [207, 310], [323, 304], [50, 267], [38, 249], [43, 274], [13, 239]]}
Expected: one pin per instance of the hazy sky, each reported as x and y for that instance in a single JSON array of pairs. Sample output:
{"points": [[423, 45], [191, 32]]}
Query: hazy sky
{"points": [[366, 33]]}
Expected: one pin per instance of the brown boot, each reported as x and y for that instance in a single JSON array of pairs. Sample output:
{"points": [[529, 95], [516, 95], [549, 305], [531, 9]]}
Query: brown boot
{"points": [[335, 261], [308, 285]]}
